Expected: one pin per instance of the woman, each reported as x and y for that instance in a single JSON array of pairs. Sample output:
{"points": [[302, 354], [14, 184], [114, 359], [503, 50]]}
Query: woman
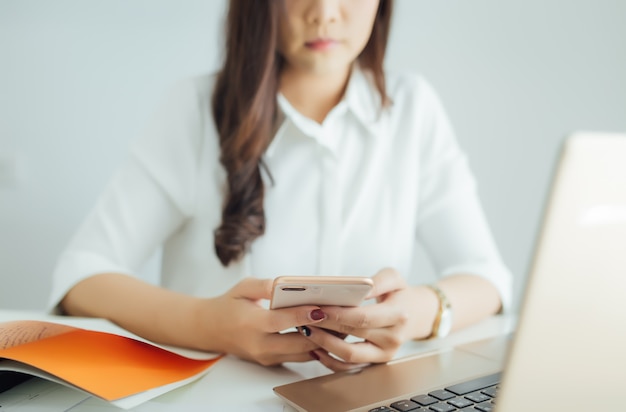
{"points": [[300, 157]]}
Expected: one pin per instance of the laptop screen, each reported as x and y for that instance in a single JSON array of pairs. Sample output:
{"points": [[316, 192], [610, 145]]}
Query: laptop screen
{"points": [[569, 349]]}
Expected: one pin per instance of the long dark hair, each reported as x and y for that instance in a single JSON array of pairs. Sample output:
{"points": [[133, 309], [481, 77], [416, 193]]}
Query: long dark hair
{"points": [[245, 111]]}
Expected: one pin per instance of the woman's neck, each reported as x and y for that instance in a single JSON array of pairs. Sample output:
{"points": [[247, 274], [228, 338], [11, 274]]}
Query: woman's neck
{"points": [[313, 95]]}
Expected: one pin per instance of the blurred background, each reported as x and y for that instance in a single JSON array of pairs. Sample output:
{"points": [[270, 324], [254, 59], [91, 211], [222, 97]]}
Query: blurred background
{"points": [[80, 78]]}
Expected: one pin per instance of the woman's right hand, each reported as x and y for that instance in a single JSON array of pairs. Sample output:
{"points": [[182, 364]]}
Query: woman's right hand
{"points": [[237, 324]]}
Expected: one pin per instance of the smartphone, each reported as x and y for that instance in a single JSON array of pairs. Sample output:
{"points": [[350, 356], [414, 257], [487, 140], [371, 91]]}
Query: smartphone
{"points": [[289, 291]]}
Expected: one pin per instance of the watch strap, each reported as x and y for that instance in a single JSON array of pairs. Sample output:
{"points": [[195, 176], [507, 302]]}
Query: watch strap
{"points": [[444, 305]]}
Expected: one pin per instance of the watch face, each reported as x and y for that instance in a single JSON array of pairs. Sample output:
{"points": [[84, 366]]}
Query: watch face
{"points": [[445, 324]]}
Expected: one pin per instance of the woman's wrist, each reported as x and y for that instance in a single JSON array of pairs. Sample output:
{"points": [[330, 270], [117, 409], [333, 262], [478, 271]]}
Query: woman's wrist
{"points": [[204, 329], [424, 311]]}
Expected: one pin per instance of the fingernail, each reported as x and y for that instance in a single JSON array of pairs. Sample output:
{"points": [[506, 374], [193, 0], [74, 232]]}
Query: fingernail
{"points": [[314, 355], [317, 314], [305, 331]]}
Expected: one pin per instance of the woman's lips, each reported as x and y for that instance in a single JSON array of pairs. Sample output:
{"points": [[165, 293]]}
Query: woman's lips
{"points": [[321, 44]]}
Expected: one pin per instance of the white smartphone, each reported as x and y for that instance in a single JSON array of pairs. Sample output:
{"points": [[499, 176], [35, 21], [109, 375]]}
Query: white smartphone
{"points": [[291, 291]]}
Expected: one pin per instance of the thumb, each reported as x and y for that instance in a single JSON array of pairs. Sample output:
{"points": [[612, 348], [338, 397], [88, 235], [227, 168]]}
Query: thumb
{"points": [[385, 281], [253, 289]]}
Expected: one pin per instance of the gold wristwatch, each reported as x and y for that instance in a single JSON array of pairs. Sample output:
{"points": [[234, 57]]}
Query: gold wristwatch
{"points": [[443, 320]]}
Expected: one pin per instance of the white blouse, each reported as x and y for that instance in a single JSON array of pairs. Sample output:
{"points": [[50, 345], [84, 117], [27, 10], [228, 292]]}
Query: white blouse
{"points": [[350, 196]]}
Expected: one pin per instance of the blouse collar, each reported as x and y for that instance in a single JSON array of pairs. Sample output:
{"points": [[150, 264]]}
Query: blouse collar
{"points": [[361, 99]]}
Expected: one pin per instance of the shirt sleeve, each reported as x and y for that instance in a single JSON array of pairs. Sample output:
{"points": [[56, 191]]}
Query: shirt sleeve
{"points": [[452, 226], [146, 200]]}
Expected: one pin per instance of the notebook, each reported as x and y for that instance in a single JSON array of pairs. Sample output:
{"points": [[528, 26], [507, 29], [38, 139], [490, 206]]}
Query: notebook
{"points": [[568, 352]]}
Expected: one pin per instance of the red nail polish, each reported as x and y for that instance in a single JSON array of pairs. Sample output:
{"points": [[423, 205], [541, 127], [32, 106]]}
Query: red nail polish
{"points": [[317, 314], [314, 355]]}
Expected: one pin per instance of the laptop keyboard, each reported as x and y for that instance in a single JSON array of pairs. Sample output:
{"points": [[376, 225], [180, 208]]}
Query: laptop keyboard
{"points": [[474, 395]]}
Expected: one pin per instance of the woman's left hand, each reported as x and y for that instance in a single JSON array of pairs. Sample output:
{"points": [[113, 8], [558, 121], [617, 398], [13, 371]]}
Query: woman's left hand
{"points": [[401, 312]]}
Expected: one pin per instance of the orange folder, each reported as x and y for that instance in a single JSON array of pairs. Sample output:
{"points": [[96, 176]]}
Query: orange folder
{"points": [[107, 365]]}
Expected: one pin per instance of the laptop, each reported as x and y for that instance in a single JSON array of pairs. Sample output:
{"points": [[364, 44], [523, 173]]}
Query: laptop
{"points": [[568, 352]]}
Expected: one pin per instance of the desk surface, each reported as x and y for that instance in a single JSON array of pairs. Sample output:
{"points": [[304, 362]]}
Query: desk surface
{"points": [[231, 384]]}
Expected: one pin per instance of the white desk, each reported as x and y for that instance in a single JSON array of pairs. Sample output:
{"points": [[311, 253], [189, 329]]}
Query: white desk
{"points": [[231, 384]]}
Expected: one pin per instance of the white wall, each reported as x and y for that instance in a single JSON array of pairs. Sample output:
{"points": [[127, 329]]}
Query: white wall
{"points": [[79, 78]]}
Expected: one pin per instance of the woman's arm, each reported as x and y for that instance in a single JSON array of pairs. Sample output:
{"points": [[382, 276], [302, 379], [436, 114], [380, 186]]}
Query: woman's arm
{"points": [[146, 310], [472, 298], [233, 323]]}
